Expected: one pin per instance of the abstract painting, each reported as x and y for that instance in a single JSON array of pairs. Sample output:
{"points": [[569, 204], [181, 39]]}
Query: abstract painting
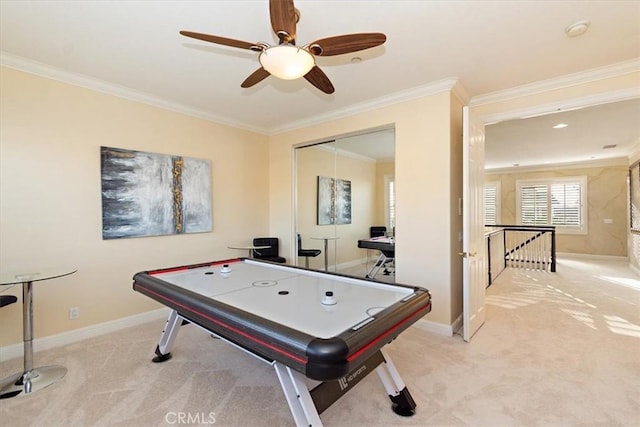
{"points": [[334, 201], [148, 194]]}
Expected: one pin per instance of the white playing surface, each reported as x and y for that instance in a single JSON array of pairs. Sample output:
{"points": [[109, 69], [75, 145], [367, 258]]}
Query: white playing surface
{"points": [[256, 288]]}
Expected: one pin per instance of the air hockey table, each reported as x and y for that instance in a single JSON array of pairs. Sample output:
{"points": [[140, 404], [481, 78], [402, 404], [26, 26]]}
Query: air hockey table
{"points": [[386, 246], [322, 332]]}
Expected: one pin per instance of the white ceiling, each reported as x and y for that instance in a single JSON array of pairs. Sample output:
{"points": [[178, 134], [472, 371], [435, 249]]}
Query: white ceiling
{"points": [[134, 48], [533, 142]]}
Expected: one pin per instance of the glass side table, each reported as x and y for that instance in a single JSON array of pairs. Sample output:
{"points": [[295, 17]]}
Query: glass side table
{"points": [[30, 379], [326, 250], [250, 248]]}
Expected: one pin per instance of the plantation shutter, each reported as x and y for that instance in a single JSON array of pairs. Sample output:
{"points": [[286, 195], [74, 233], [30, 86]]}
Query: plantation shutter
{"points": [[566, 204], [561, 202], [490, 205], [392, 204], [533, 204]]}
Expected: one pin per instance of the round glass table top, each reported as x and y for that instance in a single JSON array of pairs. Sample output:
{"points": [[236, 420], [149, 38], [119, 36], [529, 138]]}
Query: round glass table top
{"points": [[35, 275], [249, 247]]}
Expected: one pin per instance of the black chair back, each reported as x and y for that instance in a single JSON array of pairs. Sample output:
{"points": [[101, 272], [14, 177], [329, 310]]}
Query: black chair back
{"points": [[268, 254], [377, 231], [7, 299]]}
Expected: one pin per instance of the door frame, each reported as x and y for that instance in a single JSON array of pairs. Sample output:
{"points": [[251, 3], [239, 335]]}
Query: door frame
{"points": [[558, 106]]}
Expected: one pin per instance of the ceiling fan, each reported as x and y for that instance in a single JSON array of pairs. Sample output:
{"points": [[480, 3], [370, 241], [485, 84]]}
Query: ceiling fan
{"points": [[288, 61]]}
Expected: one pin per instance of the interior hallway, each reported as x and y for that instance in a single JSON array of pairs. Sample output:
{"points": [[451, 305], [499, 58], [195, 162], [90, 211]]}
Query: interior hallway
{"points": [[557, 349]]}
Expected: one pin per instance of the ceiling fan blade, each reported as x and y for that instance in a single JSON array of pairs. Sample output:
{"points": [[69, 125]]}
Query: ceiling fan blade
{"points": [[283, 20], [256, 77], [339, 45], [319, 79], [222, 40]]}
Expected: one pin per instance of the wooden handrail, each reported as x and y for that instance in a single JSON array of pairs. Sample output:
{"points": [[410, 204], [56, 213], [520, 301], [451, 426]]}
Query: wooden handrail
{"points": [[525, 243]]}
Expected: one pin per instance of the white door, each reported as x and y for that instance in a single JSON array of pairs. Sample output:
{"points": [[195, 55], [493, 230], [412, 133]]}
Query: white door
{"points": [[473, 244]]}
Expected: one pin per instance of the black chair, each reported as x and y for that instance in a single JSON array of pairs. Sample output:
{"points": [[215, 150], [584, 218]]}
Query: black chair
{"points": [[7, 299], [306, 253], [377, 231], [270, 253]]}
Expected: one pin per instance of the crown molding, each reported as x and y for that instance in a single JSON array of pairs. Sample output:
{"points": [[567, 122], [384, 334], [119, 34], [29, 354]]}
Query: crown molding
{"points": [[450, 84], [613, 161], [460, 93], [564, 105], [608, 71], [394, 98], [634, 152], [344, 153], [43, 70], [28, 66]]}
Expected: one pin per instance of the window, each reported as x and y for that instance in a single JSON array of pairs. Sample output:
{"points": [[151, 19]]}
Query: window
{"points": [[390, 201], [555, 201], [492, 203], [634, 194]]}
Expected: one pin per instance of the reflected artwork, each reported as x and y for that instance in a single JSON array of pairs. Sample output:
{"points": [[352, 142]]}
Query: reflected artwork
{"points": [[334, 201]]}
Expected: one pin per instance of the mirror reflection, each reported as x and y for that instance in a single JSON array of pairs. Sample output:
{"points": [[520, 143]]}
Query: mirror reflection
{"points": [[345, 191]]}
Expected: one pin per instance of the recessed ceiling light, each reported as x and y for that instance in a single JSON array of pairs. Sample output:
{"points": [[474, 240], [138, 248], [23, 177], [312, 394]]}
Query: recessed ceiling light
{"points": [[356, 59], [577, 29], [560, 126], [605, 147]]}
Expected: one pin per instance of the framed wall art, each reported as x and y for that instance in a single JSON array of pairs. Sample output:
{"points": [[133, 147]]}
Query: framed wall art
{"points": [[149, 194]]}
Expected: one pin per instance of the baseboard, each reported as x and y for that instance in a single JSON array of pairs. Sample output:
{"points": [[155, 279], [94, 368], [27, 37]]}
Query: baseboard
{"points": [[16, 350], [591, 256], [634, 268], [39, 344], [350, 264], [435, 327], [457, 325]]}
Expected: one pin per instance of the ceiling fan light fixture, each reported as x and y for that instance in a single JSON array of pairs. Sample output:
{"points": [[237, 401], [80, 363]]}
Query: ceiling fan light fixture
{"points": [[286, 62]]}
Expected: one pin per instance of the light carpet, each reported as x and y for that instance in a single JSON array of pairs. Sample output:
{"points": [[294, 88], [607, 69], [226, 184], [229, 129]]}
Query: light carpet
{"points": [[556, 350]]}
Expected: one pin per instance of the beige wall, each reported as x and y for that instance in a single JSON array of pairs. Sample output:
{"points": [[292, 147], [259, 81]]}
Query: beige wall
{"points": [[50, 206], [50, 212], [317, 161], [607, 199], [423, 174], [455, 236]]}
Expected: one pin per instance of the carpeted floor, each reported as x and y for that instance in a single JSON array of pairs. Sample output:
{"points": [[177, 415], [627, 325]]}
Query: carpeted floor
{"points": [[557, 349]]}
